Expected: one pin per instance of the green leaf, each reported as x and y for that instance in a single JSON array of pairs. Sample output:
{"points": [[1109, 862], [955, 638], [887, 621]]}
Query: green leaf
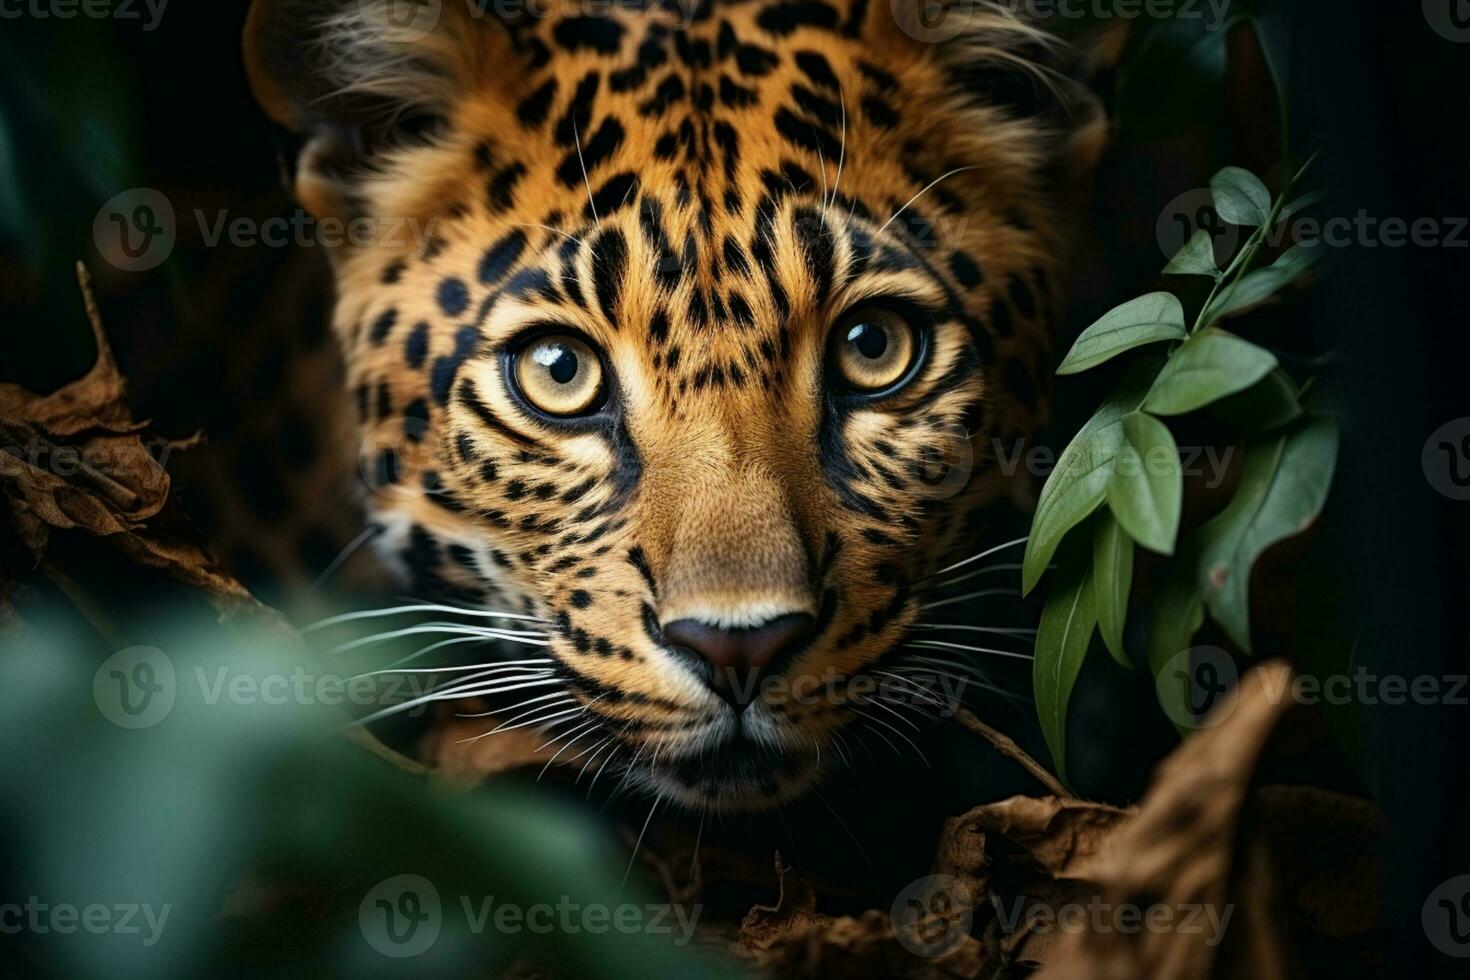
{"points": [[1196, 258], [1255, 288], [1079, 482], [1112, 574], [1067, 621], [1270, 403], [1177, 613], [1147, 487], [1209, 366], [1145, 320], [1283, 487], [1240, 197]]}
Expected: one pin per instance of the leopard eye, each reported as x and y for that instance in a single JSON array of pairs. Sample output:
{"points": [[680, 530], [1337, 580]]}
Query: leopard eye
{"points": [[560, 375], [873, 348]]}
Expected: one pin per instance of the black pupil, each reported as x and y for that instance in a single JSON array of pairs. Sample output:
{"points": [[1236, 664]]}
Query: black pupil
{"points": [[562, 364], [870, 340]]}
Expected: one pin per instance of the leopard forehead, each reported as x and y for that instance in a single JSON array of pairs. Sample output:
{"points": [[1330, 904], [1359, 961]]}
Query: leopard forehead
{"points": [[703, 184], [702, 198]]}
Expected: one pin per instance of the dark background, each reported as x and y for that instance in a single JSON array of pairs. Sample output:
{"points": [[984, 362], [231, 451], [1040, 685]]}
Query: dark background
{"points": [[89, 109]]}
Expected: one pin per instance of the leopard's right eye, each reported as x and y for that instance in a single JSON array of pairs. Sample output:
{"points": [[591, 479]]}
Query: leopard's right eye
{"points": [[559, 374]]}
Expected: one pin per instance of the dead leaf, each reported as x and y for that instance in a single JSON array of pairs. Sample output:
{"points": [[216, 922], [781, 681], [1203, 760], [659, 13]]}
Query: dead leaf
{"points": [[792, 939], [1187, 853]]}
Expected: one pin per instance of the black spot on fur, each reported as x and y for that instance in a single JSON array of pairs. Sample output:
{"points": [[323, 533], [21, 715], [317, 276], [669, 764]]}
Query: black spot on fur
{"points": [[383, 325], [416, 348], [501, 256], [784, 18], [609, 267], [601, 34], [453, 297], [535, 107], [595, 151]]}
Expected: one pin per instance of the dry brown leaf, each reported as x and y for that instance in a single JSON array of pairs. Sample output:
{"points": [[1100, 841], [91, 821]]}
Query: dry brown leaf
{"points": [[1184, 854], [80, 462], [792, 939]]}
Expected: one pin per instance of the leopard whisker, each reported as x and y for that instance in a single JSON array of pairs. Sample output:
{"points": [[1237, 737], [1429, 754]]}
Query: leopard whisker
{"points": [[970, 595], [428, 628], [372, 531], [566, 699], [974, 558], [412, 703], [880, 703], [417, 607], [586, 182], [639, 842], [584, 730], [610, 757], [946, 645], [493, 664], [865, 719], [842, 147], [912, 687], [542, 720], [927, 189]]}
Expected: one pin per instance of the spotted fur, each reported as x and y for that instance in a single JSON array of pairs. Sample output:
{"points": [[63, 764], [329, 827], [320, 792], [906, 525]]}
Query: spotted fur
{"points": [[701, 193]]}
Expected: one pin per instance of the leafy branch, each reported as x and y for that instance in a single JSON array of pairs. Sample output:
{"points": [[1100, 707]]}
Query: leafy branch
{"points": [[1118, 485]]}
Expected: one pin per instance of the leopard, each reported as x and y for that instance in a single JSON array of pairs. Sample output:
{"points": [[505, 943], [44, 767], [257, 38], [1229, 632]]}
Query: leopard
{"points": [[680, 336]]}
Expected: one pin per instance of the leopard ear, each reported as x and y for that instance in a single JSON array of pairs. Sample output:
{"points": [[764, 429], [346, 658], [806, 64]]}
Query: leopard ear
{"points": [[351, 81], [1045, 69]]}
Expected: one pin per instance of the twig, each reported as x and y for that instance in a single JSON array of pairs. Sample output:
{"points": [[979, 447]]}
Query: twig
{"points": [[1008, 748]]}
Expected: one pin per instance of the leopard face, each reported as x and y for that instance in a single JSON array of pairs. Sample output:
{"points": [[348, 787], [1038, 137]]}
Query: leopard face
{"points": [[697, 359]]}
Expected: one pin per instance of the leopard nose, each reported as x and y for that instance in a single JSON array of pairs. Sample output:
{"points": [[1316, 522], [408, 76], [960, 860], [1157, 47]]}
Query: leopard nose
{"points": [[735, 660]]}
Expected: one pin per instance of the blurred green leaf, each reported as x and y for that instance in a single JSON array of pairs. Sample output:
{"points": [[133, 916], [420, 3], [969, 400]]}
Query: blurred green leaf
{"points": [[1209, 366], [1145, 320], [1079, 482], [1112, 574], [1147, 486], [1196, 258], [1240, 197], [1282, 490], [1067, 621]]}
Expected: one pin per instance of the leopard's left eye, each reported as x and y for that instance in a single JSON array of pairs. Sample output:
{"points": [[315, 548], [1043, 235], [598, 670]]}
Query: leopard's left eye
{"points": [[560, 374], [873, 348]]}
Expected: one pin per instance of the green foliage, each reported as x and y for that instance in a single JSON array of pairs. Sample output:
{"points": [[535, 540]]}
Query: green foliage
{"points": [[1147, 488], [1067, 622], [1112, 572], [1125, 457], [1206, 368], [1282, 490]]}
